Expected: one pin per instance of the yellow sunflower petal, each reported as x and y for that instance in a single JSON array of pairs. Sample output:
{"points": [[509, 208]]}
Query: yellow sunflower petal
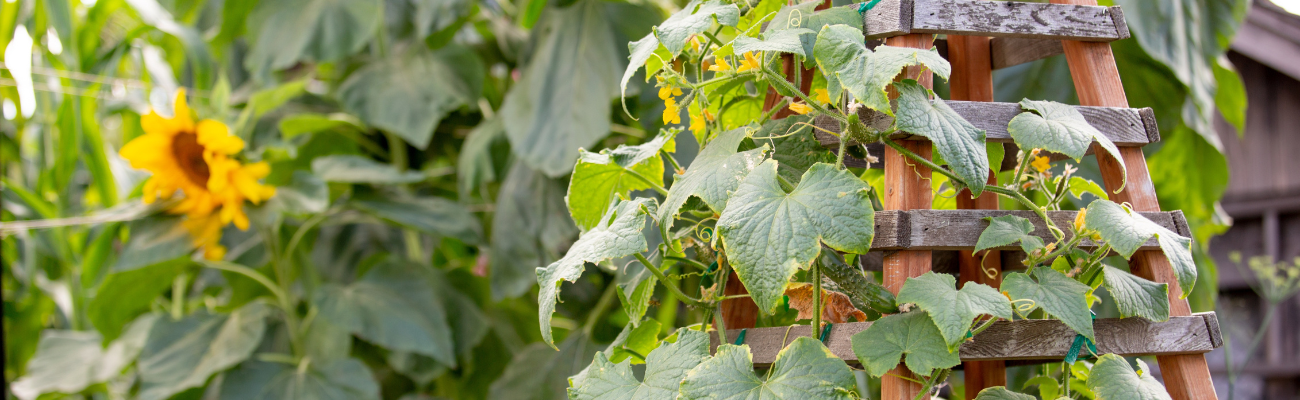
{"points": [[155, 124], [214, 252], [181, 116], [215, 136], [147, 151]]}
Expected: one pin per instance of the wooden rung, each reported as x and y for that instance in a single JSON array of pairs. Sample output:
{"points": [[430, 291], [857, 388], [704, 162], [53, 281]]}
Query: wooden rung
{"points": [[1011, 51], [1018, 340], [998, 19], [961, 229], [1126, 127]]}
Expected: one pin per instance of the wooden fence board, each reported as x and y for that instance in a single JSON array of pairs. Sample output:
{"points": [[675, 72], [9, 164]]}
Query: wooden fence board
{"points": [[1018, 340], [998, 19], [960, 229]]}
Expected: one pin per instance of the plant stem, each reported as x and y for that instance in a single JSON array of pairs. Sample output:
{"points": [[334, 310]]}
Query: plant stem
{"points": [[719, 323], [654, 269], [817, 298], [677, 168], [692, 263], [1020, 169], [178, 296], [839, 157], [605, 299], [780, 81], [657, 187], [280, 296], [767, 116]]}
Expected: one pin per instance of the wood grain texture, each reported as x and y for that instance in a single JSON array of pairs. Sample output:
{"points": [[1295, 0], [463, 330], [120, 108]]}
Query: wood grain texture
{"points": [[1037, 339], [1097, 82], [960, 229], [1127, 127], [1000, 19], [1010, 52], [907, 187]]}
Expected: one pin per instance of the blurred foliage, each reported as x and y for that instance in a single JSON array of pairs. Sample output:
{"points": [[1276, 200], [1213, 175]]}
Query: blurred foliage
{"points": [[420, 150]]}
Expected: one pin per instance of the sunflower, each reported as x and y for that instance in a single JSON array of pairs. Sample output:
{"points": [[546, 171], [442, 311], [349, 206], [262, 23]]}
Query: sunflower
{"points": [[197, 159]]}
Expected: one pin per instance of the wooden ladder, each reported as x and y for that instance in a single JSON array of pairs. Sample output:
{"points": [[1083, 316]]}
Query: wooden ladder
{"points": [[976, 45]]}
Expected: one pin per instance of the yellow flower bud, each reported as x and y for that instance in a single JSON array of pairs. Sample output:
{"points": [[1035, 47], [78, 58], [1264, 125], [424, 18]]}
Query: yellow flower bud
{"points": [[800, 108], [1078, 219]]}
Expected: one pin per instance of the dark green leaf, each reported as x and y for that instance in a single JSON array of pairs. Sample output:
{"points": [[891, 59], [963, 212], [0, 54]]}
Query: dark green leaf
{"points": [[956, 140], [474, 166], [182, 354], [395, 305], [1126, 231], [953, 310], [334, 380], [433, 215], [357, 169], [1137, 297], [804, 369], [1058, 128], [883, 344], [409, 93], [1057, 294], [1113, 378], [865, 294], [531, 228], [1001, 393], [540, 373], [283, 33], [796, 148], [1006, 230]]}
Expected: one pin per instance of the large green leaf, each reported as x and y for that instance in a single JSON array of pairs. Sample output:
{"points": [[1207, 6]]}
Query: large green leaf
{"points": [[841, 54], [641, 51], [1137, 297], [428, 214], [562, 102], [956, 140], [714, 173], [474, 165], [540, 373], [357, 169], [692, 19], [1057, 294], [409, 93], [182, 354], [342, 379], [666, 367], [305, 194], [952, 310], [617, 235], [599, 178], [1001, 393], [282, 33], [771, 234], [804, 369], [395, 305], [795, 146], [1112, 378], [1058, 128], [157, 252], [1006, 230], [70, 361], [1126, 231], [530, 228], [883, 344]]}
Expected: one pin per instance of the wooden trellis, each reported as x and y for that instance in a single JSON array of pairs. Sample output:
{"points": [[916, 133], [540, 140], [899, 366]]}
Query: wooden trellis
{"points": [[982, 36]]}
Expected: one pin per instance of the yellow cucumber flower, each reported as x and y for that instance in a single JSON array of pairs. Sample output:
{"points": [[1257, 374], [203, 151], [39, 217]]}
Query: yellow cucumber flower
{"points": [[669, 91], [720, 65], [697, 123], [1041, 164], [800, 108], [750, 62], [197, 159], [672, 112], [822, 96], [1078, 219]]}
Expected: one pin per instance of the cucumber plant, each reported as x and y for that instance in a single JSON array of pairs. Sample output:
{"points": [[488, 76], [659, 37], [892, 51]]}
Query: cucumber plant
{"points": [[765, 200]]}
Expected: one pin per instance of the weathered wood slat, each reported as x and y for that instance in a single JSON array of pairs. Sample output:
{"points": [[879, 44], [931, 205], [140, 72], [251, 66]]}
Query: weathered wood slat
{"points": [[1018, 340], [1009, 52], [998, 19], [1127, 127], [960, 229]]}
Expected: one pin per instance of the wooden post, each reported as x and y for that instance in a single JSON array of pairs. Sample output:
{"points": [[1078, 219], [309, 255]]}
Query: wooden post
{"points": [[907, 187], [972, 80], [1096, 79]]}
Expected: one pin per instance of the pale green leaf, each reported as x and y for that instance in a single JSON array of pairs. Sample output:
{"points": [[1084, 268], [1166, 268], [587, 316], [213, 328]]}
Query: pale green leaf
{"points": [[805, 369], [617, 235], [666, 367], [953, 310], [1126, 231], [433, 215], [1001, 393], [883, 344], [1079, 185], [395, 305], [158, 250], [538, 372], [531, 228], [342, 379], [841, 54], [1057, 294], [70, 361], [869, 84], [782, 41], [956, 140], [1137, 297], [1058, 128], [692, 19], [474, 165], [1008, 229], [298, 124], [562, 102], [357, 169], [714, 173], [1112, 379], [182, 354], [599, 178], [771, 234], [306, 193], [282, 33], [641, 51], [409, 93]]}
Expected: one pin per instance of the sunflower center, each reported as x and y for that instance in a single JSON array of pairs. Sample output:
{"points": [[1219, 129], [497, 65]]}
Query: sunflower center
{"points": [[189, 155]]}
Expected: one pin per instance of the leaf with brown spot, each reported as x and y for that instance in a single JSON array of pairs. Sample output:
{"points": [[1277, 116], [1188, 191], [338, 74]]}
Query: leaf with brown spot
{"points": [[836, 307]]}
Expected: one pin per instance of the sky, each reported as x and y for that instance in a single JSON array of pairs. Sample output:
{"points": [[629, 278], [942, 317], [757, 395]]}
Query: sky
{"points": [[1292, 6]]}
